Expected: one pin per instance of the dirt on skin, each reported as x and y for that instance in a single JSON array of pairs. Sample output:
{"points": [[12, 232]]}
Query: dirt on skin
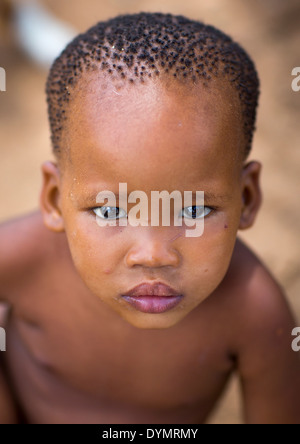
{"points": [[270, 31]]}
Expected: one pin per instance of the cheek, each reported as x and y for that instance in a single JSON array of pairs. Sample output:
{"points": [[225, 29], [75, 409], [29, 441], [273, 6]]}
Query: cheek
{"points": [[96, 251], [220, 237], [209, 256]]}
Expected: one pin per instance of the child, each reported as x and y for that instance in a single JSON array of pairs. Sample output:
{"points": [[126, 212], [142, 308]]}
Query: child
{"points": [[138, 323]]}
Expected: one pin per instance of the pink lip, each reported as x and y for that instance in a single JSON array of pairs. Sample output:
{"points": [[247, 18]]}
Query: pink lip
{"points": [[153, 298]]}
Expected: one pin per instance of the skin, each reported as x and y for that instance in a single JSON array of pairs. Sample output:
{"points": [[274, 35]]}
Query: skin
{"points": [[77, 352]]}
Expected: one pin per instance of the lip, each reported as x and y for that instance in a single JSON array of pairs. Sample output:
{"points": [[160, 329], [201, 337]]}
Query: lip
{"points": [[153, 298]]}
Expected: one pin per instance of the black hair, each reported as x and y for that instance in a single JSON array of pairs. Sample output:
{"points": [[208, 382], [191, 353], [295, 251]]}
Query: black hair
{"points": [[140, 46]]}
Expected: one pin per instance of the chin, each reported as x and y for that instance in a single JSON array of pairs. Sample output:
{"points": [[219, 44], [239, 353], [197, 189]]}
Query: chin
{"points": [[152, 321]]}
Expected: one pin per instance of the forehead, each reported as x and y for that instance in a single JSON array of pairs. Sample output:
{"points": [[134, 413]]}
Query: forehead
{"points": [[119, 128]]}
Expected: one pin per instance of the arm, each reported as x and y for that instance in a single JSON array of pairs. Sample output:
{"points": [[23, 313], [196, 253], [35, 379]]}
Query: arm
{"points": [[269, 368], [8, 412], [14, 247]]}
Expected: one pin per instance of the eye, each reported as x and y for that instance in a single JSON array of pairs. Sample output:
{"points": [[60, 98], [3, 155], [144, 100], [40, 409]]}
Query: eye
{"points": [[195, 212], [110, 212]]}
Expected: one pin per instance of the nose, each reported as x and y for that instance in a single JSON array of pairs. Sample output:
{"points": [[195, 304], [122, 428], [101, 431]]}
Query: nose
{"points": [[152, 253]]}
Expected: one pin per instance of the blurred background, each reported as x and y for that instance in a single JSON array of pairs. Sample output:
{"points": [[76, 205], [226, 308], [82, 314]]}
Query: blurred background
{"points": [[268, 29]]}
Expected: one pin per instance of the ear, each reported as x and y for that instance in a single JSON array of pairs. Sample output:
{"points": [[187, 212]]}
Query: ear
{"points": [[50, 197], [251, 194]]}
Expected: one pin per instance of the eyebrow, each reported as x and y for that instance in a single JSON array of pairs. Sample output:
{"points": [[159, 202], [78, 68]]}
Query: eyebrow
{"points": [[219, 197], [207, 196]]}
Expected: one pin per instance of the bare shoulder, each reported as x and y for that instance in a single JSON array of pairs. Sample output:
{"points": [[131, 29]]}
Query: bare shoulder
{"points": [[258, 301], [268, 367], [25, 247], [20, 241], [258, 295]]}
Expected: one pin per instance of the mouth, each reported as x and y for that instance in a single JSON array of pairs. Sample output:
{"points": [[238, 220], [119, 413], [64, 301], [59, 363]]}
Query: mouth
{"points": [[153, 298]]}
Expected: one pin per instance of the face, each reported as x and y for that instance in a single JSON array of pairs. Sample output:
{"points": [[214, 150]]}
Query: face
{"points": [[153, 137]]}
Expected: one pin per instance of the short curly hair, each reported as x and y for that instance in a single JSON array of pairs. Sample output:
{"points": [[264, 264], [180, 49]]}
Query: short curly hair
{"points": [[141, 46]]}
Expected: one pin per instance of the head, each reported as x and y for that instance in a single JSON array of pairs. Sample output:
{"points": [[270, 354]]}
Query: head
{"points": [[161, 103]]}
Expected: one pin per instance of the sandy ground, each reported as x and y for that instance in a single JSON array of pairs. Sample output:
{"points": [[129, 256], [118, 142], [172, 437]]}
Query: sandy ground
{"points": [[270, 31]]}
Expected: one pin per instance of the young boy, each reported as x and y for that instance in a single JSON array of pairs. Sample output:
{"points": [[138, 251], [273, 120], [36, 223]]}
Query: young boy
{"points": [[121, 322]]}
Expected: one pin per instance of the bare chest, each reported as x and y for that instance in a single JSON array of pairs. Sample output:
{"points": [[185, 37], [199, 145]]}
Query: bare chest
{"points": [[147, 379]]}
